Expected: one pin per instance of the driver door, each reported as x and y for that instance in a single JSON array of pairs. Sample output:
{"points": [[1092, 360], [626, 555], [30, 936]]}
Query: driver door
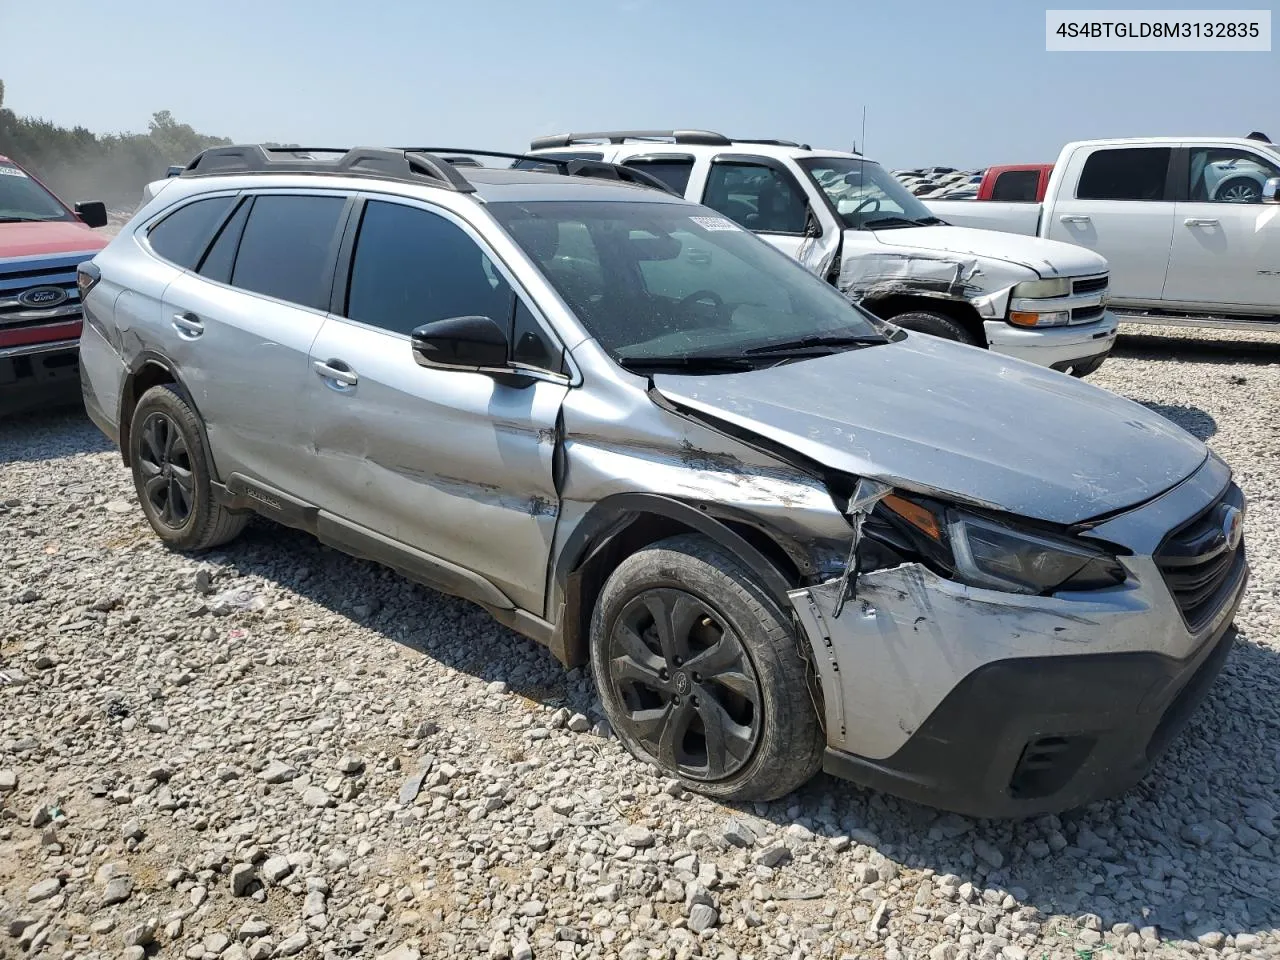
{"points": [[764, 195], [1226, 240]]}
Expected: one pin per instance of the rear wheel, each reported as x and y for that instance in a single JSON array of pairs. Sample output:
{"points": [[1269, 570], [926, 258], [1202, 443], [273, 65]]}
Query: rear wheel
{"points": [[700, 674], [171, 474], [935, 324]]}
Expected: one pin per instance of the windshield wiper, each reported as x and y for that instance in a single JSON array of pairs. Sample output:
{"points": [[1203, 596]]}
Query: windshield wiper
{"points": [[693, 362], [813, 342], [895, 222], [25, 219]]}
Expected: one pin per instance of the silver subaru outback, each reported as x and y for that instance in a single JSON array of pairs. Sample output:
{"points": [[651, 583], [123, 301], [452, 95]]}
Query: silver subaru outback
{"points": [[785, 535]]}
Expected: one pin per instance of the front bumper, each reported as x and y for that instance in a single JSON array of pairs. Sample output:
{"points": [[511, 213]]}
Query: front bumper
{"points": [[1019, 738], [997, 704], [36, 376], [1056, 347]]}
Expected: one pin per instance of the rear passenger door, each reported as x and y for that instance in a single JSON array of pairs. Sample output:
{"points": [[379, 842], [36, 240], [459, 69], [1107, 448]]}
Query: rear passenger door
{"points": [[243, 322], [1122, 208], [456, 464]]}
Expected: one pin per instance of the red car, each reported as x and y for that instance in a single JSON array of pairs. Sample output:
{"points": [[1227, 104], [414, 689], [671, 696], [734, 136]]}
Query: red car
{"points": [[1015, 182], [42, 240]]}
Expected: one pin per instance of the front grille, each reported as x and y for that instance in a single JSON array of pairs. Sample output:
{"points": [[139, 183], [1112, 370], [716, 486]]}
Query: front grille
{"points": [[1198, 562], [1089, 284], [57, 317], [1087, 314]]}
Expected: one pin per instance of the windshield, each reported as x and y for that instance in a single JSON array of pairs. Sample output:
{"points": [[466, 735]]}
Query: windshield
{"points": [[865, 195], [21, 198], [659, 282]]}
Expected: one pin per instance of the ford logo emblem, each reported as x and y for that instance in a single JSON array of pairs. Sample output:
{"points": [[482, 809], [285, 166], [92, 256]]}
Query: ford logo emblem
{"points": [[42, 297], [1232, 526]]}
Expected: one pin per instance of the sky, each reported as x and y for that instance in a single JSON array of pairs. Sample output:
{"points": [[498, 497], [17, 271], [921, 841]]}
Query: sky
{"points": [[949, 83]]}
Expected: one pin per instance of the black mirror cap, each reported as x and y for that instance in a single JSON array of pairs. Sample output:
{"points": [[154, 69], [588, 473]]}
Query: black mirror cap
{"points": [[463, 343], [92, 213]]}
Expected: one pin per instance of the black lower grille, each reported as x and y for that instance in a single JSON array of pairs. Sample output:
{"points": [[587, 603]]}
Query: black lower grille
{"points": [[1087, 314], [1200, 561]]}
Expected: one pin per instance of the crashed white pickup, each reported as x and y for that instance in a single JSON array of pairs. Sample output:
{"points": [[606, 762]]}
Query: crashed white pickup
{"points": [[850, 221], [1190, 226]]}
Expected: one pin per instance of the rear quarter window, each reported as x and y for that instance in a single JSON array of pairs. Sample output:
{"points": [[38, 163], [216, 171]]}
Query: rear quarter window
{"points": [[182, 236]]}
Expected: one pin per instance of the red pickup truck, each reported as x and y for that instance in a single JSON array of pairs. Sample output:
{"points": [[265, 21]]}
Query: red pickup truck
{"points": [[42, 240], [1015, 182]]}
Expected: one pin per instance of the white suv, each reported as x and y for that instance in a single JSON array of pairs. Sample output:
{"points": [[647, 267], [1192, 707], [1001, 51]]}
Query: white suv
{"points": [[850, 221]]}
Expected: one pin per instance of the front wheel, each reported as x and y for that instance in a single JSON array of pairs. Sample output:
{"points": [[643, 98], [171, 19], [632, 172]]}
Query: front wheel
{"points": [[1239, 190], [934, 324], [700, 674]]}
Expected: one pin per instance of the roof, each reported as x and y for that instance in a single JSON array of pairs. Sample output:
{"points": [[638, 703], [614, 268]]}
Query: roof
{"points": [[1173, 141]]}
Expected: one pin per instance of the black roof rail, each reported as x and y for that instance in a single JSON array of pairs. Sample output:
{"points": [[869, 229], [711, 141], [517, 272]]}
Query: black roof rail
{"points": [[570, 168], [401, 164], [777, 143], [705, 138]]}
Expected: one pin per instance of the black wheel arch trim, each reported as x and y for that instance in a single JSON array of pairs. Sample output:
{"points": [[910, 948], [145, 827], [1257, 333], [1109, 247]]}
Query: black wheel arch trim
{"points": [[610, 516], [143, 360]]}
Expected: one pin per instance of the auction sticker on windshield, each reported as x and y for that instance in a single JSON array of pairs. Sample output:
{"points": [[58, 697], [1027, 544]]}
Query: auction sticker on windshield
{"points": [[715, 223], [11, 171]]}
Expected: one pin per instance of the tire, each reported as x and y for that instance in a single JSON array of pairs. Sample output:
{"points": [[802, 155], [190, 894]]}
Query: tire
{"points": [[168, 455], [753, 685], [1238, 190], [934, 324]]}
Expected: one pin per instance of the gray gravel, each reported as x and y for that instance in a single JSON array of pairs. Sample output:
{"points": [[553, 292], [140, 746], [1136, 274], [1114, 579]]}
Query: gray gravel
{"points": [[274, 750]]}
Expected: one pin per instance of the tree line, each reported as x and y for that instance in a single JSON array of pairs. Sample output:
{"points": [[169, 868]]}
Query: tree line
{"points": [[78, 164]]}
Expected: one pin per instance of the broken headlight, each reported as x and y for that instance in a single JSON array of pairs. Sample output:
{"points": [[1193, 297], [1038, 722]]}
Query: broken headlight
{"points": [[988, 553]]}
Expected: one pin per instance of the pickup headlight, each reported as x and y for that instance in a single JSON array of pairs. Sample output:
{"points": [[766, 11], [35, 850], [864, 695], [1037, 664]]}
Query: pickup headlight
{"points": [[1043, 289], [1000, 556]]}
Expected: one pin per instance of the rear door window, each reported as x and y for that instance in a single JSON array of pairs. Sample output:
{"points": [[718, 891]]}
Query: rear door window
{"points": [[182, 236], [1128, 173], [287, 249]]}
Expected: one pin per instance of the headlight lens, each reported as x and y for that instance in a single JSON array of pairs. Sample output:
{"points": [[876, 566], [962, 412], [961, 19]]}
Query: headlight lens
{"points": [[990, 554], [999, 556], [1042, 289]]}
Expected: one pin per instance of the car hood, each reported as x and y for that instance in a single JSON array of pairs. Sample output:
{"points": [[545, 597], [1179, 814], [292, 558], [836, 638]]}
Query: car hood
{"points": [[46, 239], [955, 421], [1048, 258]]}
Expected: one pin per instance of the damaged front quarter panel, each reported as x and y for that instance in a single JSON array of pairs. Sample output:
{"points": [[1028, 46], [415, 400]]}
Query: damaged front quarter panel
{"points": [[983, 283]]}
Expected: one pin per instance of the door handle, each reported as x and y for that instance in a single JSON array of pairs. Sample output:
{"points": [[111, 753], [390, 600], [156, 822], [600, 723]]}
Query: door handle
{"points": [[1074, 218], [336, 371], [1199, 222], [188, 325]]}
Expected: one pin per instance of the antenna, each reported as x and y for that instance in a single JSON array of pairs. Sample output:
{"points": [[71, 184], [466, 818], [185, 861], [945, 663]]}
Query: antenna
{"points": [[863, 139]]}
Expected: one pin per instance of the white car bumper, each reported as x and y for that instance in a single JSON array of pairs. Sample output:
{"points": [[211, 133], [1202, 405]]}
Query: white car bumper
{"points": [[1057, 347]]}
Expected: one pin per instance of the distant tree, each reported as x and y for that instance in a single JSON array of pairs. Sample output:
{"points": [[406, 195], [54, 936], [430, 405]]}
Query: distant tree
{"points": [[113, 167]]}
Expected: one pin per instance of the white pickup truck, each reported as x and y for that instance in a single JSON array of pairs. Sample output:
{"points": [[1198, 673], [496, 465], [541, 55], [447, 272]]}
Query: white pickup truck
{"points": [[1189, 225], [851, 222]]}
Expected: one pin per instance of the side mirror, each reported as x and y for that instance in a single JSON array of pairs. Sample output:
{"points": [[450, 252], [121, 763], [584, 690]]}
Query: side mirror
{"points": [[92, 213], [1271, 190], [461, 343]]}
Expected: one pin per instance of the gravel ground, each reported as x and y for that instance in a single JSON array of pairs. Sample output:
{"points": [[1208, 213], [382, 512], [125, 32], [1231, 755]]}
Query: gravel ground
{"points": [[274, 750]]}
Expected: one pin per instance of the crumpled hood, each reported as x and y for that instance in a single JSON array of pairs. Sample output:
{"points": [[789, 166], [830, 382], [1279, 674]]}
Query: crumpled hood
{"points": [[1048, 258], [47, 239], [956, 421]]}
